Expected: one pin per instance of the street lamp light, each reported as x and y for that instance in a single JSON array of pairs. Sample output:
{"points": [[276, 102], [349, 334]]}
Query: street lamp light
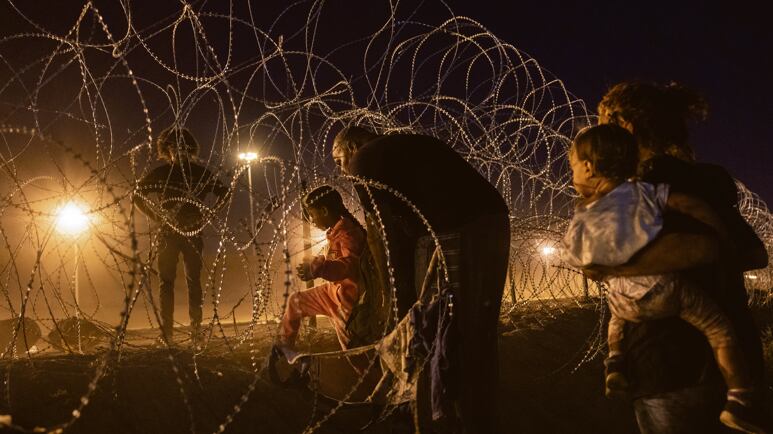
{"points": [[71, 221], [548, 250], [248, 158]]}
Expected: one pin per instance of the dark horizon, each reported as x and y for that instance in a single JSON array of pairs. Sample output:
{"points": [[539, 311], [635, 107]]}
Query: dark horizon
{"points": [[723, 53], [589, 47]]}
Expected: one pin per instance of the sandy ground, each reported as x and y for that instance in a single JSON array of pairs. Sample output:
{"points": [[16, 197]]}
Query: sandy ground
{"points": [[550, 383]]}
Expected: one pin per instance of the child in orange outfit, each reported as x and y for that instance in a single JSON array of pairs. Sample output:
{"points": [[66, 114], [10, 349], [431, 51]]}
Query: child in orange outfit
{"points": [[339, 267]]}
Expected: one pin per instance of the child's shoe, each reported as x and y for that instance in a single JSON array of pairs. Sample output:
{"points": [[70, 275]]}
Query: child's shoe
{"points": [[281, 372], [615, 381], [744, 418]]}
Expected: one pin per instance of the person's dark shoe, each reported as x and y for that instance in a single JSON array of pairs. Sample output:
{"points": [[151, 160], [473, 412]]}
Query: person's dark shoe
{"points": [[743, 418], [616, 384]]}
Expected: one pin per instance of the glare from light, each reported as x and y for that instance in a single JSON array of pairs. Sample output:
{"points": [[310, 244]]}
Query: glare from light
{"points": [[71, 219], [318, 237], [248, 156], [548, 250], [752, 276]]}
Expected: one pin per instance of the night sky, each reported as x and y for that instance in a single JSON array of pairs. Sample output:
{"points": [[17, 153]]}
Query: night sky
{"points": [[724, 50], [723, 53]]}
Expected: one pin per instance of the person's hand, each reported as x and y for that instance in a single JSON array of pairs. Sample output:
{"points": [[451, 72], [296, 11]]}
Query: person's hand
{"points": [[304, 271], [596, 272]]}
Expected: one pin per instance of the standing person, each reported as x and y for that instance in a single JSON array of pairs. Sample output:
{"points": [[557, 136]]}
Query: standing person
{"points": [[182, 184], [676, 385], [456, 201], [340, 267], [616, 218]]}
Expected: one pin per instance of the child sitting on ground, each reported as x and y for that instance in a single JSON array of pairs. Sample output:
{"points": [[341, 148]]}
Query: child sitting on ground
{"points": [[339, 267], [614, 220]]}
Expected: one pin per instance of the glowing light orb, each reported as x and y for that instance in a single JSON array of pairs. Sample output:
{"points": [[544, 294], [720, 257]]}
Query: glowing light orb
{"points": [[71, 219], [548, 250], [248, 156]]}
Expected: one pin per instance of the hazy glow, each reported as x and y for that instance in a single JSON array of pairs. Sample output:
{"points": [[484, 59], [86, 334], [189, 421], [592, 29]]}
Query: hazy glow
{"points": [[548, 250], [248, 156], [752, 276], [71, 219]]}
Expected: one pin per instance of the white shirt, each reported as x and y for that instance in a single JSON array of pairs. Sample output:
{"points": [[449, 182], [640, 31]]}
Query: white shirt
{"points": [[612, 229]]}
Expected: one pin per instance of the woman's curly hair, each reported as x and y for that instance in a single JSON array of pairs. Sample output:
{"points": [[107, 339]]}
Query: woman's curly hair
{"points": [[658, 114]]}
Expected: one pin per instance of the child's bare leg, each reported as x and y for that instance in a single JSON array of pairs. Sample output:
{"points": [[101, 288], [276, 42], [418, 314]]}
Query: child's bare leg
{"points": [[741, 412], [733, 368], [615, 381], [702, 313], [615, 335]]}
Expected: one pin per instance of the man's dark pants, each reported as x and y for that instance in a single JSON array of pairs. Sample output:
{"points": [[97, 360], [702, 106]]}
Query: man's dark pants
{"points": [[485, 249], [171, 245]]}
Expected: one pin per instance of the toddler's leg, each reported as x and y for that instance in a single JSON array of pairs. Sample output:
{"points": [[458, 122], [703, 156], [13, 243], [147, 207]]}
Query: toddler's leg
{"points": [[740, 412], [615, 335], [614, 378], [300, 304], [701, 312]]}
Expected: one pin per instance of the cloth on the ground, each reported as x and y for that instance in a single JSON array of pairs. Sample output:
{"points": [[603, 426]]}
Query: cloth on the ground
{"points": [[393, 355], [422, 340], [434, 340], [425, 339]]}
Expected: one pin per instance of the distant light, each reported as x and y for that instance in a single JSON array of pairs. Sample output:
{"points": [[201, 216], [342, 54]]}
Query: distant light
{"points": [[752, 276], [248, 156], [318, 237], [548, 250], [71, 219]]}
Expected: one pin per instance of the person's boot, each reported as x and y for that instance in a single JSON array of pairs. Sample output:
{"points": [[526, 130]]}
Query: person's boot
{"points": [[616, 383], [282, 373]]}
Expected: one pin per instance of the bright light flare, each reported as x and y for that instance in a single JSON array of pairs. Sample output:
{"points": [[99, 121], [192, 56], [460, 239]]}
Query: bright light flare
{"points": [[548, 250], [71, 219], [752, 276], [248, 156], [318, 237]]}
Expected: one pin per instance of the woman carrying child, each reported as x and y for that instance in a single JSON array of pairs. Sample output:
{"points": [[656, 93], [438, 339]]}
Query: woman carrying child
{"points": [[616, 218], [675, 383]]}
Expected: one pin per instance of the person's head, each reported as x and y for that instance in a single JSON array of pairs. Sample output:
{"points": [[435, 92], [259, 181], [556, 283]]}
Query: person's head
{"points": [[602, 154], [175, 143], [657, 115], [323, 206], [346, 143]]}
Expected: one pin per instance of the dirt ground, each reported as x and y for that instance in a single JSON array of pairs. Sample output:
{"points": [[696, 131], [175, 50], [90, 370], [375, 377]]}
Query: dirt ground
{"points": [[550, 383]]}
